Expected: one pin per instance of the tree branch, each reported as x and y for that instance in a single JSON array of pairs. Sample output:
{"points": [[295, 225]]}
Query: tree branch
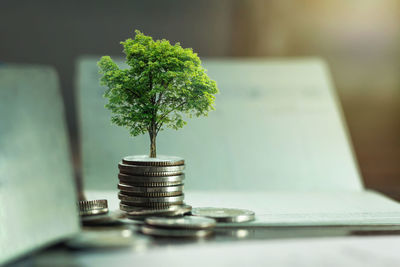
{"points": [[160, 123], [133, 92]]}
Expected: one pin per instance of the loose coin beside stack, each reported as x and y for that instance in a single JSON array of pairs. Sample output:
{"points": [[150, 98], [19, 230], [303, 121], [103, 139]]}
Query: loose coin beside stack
{"points": [[225, 215], [95, 212], [151, 186], [187, 226], [93, 207]]}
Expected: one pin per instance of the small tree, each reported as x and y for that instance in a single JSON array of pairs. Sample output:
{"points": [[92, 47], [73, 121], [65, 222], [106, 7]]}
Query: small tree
{"points": [[162, 84]]}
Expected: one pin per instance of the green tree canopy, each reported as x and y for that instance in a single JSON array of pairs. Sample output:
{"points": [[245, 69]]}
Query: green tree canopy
{"points": [[163, 84]]}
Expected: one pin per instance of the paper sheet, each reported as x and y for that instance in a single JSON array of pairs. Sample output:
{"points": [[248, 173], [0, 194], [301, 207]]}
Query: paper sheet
{"points": [[277, 126], [293, 208]]}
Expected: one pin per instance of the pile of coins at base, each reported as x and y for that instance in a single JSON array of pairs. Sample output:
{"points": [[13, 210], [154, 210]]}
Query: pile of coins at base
{"points": [[201, 224], [152, 186]]}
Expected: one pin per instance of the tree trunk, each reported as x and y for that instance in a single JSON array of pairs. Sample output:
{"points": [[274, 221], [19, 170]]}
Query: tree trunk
{"points": [[153, 149]]}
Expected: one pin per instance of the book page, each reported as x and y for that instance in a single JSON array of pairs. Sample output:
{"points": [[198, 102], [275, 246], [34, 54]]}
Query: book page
{"points": [[292, 208], [277, 126]]}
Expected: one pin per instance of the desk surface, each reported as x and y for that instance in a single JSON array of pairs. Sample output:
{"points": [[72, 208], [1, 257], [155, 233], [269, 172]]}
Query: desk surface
{"points": [[343, 243]]}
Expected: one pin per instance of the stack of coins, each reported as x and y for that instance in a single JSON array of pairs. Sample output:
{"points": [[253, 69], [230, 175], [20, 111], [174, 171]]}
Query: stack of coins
{"points": [[151, 186], [187, 227]]}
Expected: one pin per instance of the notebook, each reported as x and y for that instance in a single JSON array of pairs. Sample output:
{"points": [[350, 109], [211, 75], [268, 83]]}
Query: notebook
{"points": [[276, 143], [37, 190]]}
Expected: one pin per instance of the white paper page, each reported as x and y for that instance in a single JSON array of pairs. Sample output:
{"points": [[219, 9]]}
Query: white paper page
{"points": [[276, 127], [37, 189], [293, 208]]}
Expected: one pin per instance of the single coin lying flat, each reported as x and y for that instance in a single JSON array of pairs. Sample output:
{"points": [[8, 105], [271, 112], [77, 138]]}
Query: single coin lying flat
{"points": [[153, 205], [160, 160], [150, 184], [142, 212], [151, 179], [225, 215], [186, 222], [133, 199], [147, 170], [186, 233], [158, 191]]}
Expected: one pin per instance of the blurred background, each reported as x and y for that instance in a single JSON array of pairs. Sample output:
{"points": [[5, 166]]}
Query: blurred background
{"points": [[359, 39]]}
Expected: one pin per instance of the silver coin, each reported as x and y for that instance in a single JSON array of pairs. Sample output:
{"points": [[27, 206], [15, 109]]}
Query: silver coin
{"points": [[186, 222], [224, 214], [151, 184], [159, 191], [186, 233], [151, 204], [157, 194], [133, 199], [158, 161], [126, 208], [153, 174], [141, 212], [141, 189], [151, 179], [93, 207], [150, 170], [138, 210]]}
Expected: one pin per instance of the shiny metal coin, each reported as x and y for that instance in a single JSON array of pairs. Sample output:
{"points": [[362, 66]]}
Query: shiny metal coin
{"points": [[132, 199], [150, 184], [225, 215], [150, 170], [152, 204], [141, 212], [150, 179], [127, 207], [93, 207], [186, 233], [154, 174], [140, 189], [152, 211], [186, 222], [161, 194], [160, 160], [150, 191]]}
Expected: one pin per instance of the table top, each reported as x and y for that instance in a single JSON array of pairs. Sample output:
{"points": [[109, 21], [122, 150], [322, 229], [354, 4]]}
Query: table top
{"points": [[101, 244]]}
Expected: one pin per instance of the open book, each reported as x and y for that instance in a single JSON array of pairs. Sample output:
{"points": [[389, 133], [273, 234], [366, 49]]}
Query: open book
{"points": [[276, 144]]}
